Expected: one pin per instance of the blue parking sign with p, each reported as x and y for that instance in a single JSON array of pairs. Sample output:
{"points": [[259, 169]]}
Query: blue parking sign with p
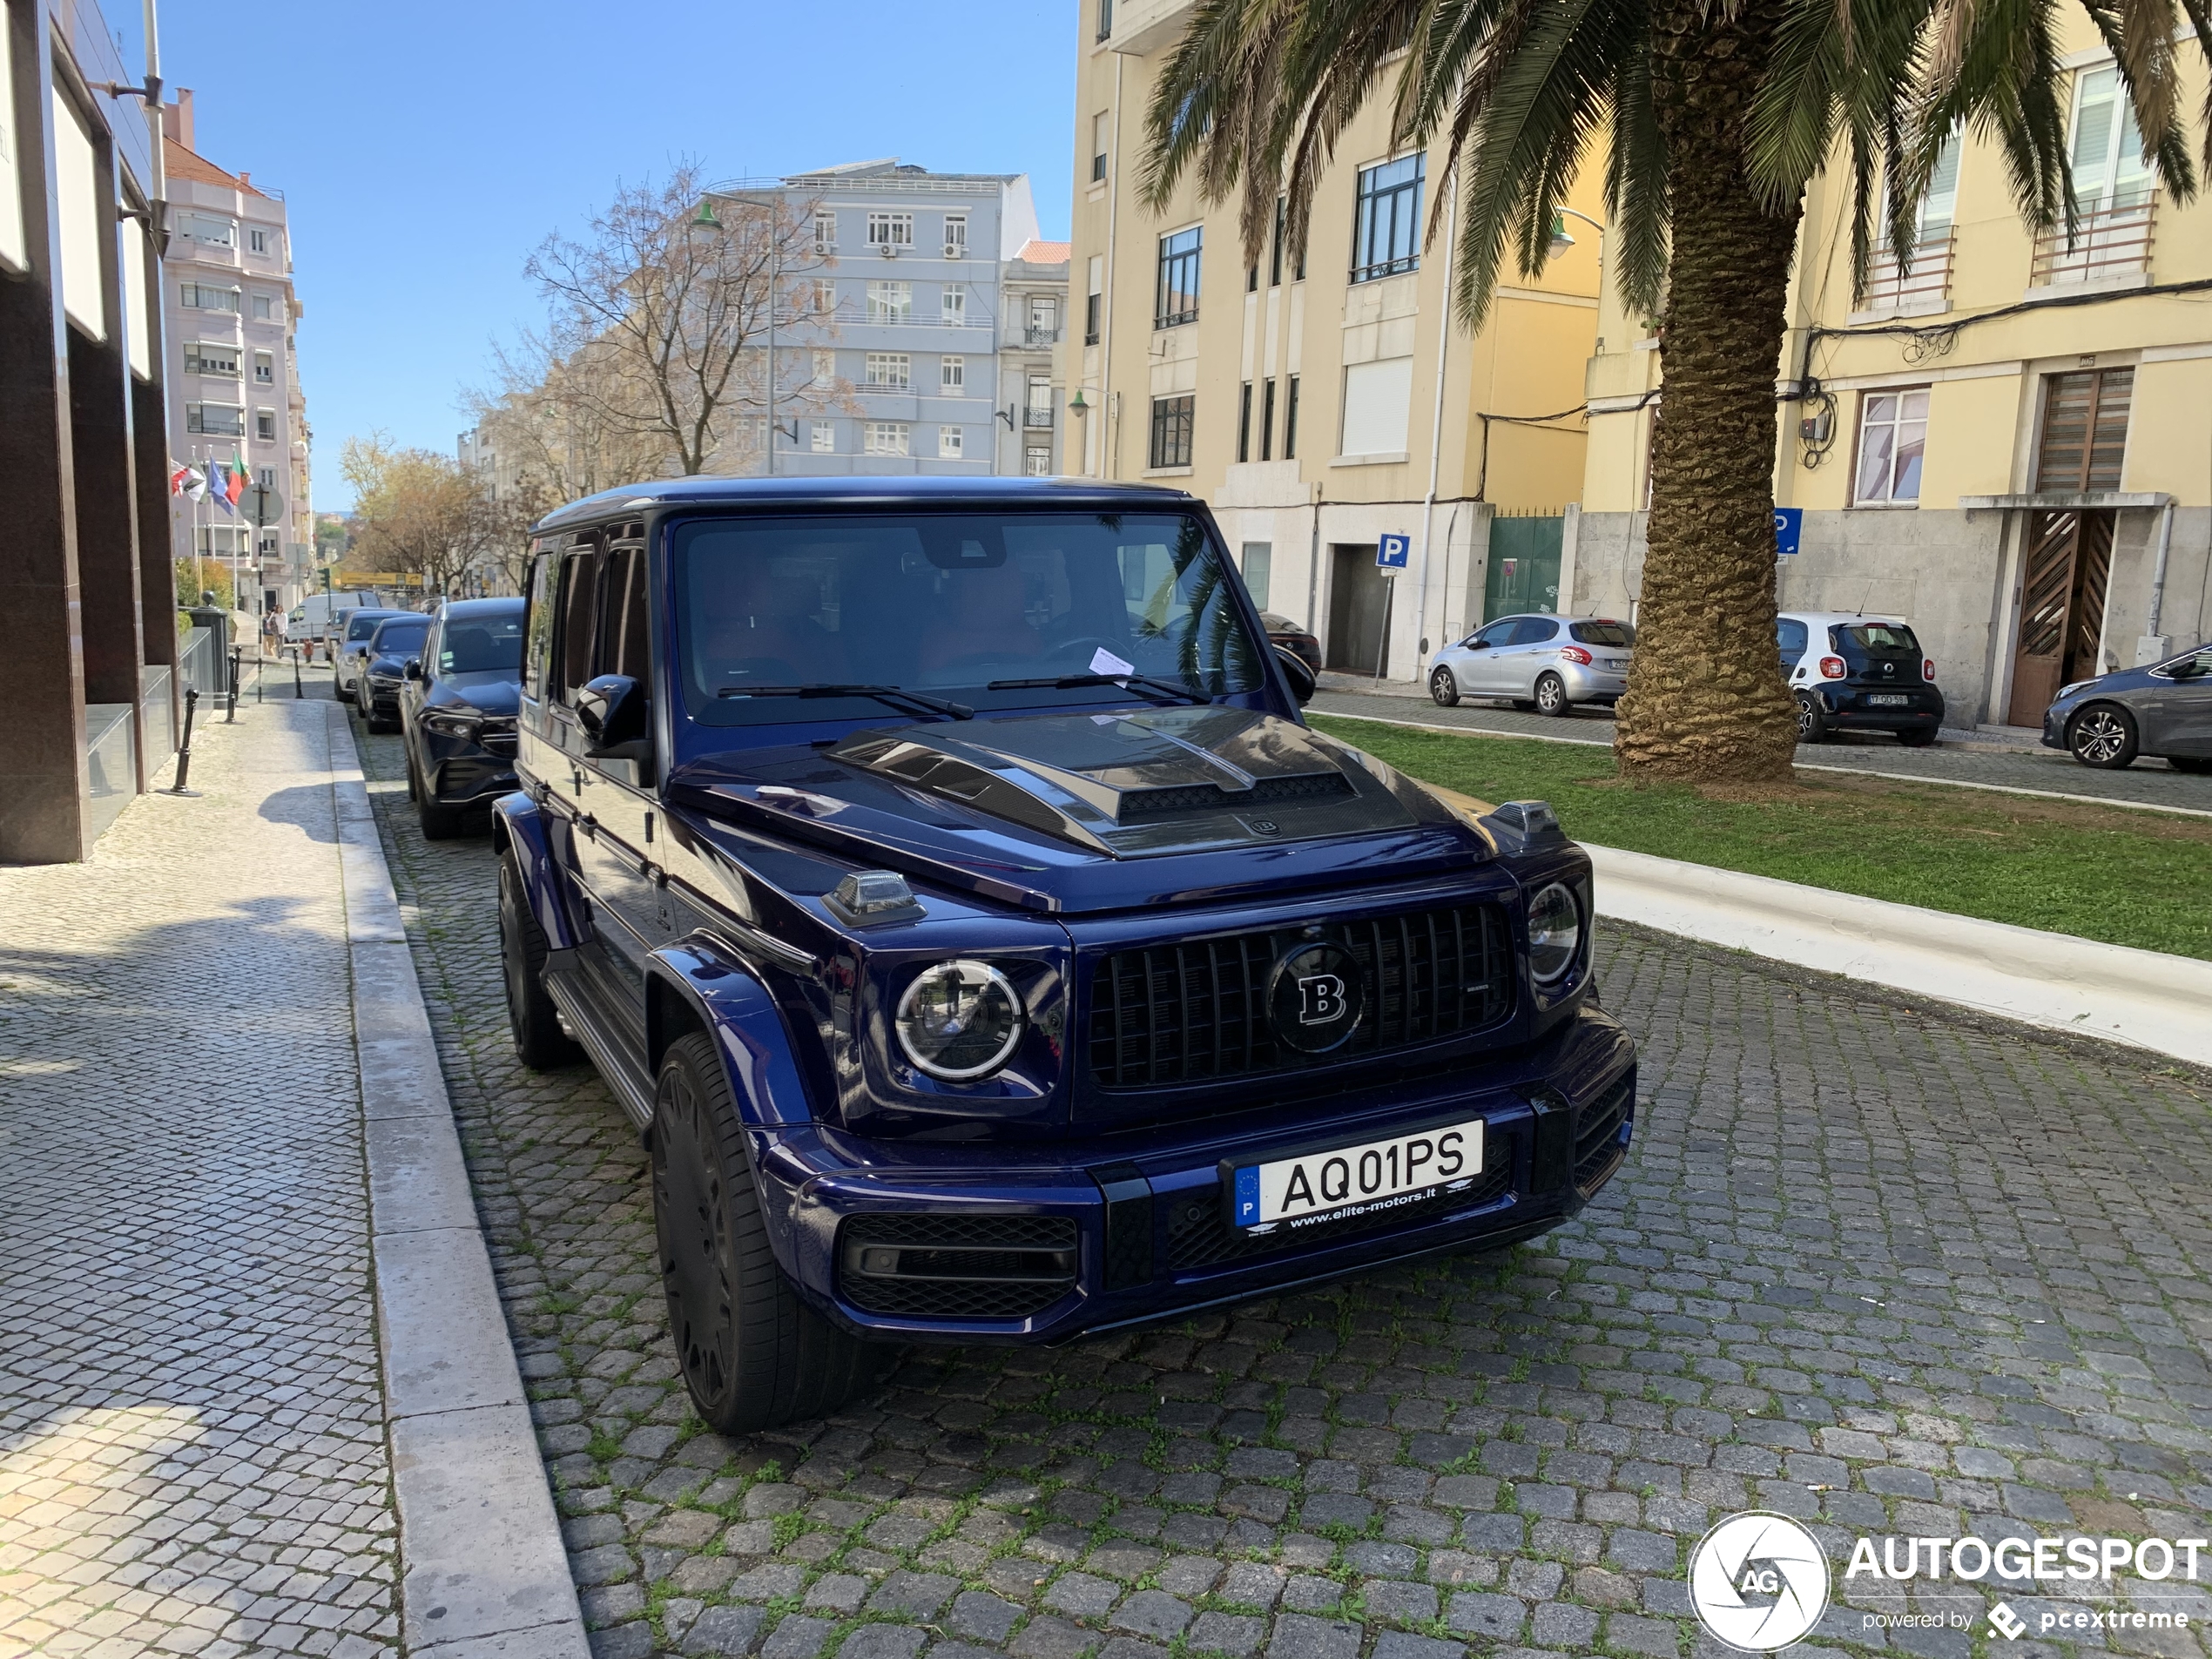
{"points": [[1392, 551], [1789, 529]]}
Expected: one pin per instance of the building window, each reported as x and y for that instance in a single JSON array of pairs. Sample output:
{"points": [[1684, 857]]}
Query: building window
{"points": [[2084, 442], [1259, 559], [1275, 248], [1101, 143], [824, 369], [891, 230], [953, 304], [825, 296], [2106, 150], [825, 231], [952, 376], [257, 240], [202, 227], [202, 357], [886, 438], [264, 368], [1267, 423], [1892, 436], [1172, 418], [824, 437], [1036, 463], [951, 440], [1386, 231], [264, 308], [955, 236], [893, 369], [267, 478], [1177, 299], [1290, 421], [265, 425], [1044, 319], [198, 296], [1095, 302], [1244, 423], [891, 301], [219, 420], [1105, 18], [1036, 412], [269, 545]]}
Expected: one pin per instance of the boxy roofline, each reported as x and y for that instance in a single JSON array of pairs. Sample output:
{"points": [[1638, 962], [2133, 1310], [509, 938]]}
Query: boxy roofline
{"points": [[866, 492]]}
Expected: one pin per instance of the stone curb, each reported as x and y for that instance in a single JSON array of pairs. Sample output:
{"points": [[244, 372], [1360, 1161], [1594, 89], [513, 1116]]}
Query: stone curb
{"points": [[483, 1569], [2144, 998]]}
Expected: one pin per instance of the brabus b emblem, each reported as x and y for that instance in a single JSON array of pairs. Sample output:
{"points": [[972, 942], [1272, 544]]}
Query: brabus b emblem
{"points": [[1315, 997]]}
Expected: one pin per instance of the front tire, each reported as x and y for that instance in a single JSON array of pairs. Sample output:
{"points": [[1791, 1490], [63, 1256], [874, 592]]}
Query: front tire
{"points": [[2103, 736], [539, 1042], [1551, 696], [1813, 719], [1444, 687], [753, 1355]]}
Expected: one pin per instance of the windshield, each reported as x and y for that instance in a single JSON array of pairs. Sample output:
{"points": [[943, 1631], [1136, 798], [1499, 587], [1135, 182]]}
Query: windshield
{"points": [[945, 605], [482, 644], [1604, 633], [400, 639]]}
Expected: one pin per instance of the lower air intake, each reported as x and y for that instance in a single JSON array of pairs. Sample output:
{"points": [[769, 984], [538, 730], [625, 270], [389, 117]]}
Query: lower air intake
{"points": [[957, 1267], [1598, 1146]]}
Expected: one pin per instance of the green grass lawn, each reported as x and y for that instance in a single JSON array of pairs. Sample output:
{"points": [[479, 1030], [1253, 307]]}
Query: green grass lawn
{"points": [[2127, 878]]}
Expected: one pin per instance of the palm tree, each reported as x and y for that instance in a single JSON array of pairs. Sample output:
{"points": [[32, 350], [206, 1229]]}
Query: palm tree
{"points": [[1713, 115]]}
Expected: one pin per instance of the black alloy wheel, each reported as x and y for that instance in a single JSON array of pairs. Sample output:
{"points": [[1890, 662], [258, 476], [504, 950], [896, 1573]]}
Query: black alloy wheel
{"points": [[752, 1354], [1813, 719], [1551, 695], [1444, 687], [2103, 736], [539, 1042]]}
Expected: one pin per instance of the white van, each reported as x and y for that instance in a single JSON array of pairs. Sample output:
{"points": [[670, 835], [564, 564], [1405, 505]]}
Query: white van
{"points": [[320, 615]]}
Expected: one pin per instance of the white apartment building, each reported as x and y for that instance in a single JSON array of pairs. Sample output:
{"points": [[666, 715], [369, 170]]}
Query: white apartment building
{"points": [[1033, 285], [231, 320]]}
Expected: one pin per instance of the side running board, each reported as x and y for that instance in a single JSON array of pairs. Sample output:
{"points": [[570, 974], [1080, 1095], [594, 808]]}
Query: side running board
{"points": [[580, 1013]]}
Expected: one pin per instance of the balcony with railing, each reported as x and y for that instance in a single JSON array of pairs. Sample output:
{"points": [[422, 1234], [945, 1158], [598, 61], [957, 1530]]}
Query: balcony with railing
{"points": [[1916, 286], [1039, 338], [2111, 240], [1035, 417]]}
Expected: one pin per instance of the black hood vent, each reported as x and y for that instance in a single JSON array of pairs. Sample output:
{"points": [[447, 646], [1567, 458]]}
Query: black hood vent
{"points": [[1148, 806]]}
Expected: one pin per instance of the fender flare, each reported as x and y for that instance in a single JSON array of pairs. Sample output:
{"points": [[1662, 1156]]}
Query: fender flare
{"points": [[699, 981], [519, 825]]}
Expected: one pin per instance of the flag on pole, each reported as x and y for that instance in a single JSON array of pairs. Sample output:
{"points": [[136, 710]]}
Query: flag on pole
{"points": [[180, 481], [219, 486], [238, 476]]}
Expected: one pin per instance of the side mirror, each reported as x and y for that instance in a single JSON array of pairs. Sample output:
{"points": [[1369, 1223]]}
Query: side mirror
{"points": [[610, 712], [1301, 679], [414, 669], [1473, 643]]}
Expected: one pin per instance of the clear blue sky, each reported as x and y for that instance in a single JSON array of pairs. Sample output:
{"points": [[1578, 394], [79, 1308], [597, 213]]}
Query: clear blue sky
{"points": [[424, 150]]}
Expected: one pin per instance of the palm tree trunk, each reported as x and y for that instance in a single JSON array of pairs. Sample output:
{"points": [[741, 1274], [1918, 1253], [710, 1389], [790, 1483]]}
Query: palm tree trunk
{"points": [[1706, 699]]}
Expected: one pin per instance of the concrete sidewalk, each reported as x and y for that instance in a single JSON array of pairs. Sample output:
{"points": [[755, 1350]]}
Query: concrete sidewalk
{"points": [[196, 1414]]}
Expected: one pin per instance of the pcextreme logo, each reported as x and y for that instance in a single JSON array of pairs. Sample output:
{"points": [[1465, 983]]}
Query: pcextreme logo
{"points": [[1759, 1581]]}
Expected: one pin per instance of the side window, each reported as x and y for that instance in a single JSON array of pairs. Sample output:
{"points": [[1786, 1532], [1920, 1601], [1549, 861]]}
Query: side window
{"points": [[1497, 634], [1535, 631], [576, 634], [626, 648], [1790, 635], [538, 653]]}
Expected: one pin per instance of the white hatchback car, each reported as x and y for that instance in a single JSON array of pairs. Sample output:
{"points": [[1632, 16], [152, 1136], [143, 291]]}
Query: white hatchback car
{"points": [[1541, 662], [1857, 673]]}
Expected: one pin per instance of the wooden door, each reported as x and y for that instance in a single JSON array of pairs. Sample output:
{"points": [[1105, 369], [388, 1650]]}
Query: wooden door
{"points": [[2062, 608]]}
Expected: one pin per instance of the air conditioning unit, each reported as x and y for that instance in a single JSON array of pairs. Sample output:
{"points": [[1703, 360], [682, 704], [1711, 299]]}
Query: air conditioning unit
{"points": [[889, 249], [955, 250]]}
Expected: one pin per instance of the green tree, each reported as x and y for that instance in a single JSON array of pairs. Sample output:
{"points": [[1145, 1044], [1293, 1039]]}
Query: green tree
{"points": [[1712, 117]]}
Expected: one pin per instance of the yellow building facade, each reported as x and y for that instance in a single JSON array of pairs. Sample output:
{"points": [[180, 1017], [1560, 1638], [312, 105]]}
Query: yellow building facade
{"points": [[1323, 405], [2007, 440]]}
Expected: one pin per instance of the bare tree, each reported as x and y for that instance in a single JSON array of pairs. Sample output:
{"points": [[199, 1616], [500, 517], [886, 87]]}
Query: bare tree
{"points": [[660, 316], [416, 512]]}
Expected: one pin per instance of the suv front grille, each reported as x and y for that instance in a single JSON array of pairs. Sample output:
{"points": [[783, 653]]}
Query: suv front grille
{"points": [[1200, 1236], [957, 1267], [1197, 1012]]}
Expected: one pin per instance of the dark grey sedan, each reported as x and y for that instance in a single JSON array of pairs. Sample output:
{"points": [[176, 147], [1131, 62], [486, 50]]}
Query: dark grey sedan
{"points": [[2165, 709]]}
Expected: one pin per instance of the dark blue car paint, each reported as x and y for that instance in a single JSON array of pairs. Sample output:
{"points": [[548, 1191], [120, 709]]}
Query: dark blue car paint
{"points": [[798, 1000]]}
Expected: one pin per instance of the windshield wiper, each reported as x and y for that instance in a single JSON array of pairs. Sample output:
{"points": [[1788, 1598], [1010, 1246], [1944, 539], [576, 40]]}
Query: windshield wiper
{"points": [[1135, 682], [895, 696]]}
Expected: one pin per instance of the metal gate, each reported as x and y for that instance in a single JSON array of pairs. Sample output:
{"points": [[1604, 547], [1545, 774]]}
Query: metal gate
{"points": [[2062, 608], [1524, 564]]}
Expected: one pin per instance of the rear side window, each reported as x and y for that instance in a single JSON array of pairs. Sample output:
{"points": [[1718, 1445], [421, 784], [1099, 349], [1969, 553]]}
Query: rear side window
{"points": [[539, 659], [1603, 633], [575, 637], [1535, 631], [1790, 635], [1877, 639]]}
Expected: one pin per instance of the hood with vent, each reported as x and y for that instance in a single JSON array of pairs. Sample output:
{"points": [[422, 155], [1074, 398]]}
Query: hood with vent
{"points": [[1137, 784]]}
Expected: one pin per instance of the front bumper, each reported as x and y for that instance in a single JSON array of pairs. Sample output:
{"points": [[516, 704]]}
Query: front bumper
{"points": [[1128, 1230], [384, 697]]}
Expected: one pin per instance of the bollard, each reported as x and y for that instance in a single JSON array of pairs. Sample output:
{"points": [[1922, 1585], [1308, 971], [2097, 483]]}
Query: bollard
{"points": [[297, 693], [184, 753], [232, 717]]}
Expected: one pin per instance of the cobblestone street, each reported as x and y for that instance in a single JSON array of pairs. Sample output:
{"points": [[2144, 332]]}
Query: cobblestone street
{"points": [[1888, 1270], [191, 1424]]}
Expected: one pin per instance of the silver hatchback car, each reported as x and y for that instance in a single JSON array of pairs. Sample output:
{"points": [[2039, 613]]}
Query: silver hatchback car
{"points": [[1541, 662]]}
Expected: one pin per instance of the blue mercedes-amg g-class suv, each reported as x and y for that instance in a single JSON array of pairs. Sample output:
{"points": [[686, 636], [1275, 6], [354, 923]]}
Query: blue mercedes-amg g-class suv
{"points": [[943, 877]]}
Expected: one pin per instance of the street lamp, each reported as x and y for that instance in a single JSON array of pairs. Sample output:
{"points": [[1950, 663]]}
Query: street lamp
{"points": [[1560, 241]]}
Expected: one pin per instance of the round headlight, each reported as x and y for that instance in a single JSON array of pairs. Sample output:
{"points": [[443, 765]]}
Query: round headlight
{"points": [[960, 1020], [1554, 933]]}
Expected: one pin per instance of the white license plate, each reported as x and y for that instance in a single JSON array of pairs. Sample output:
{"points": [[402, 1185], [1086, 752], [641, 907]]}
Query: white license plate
{"points": [[1350, 1181], [1887, 699], [1613, 662]]}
